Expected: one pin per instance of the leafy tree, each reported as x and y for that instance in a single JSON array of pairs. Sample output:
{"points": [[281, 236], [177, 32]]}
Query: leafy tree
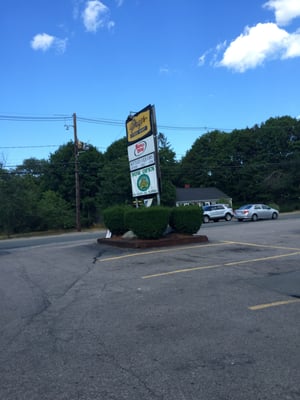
{"points": [[60, 173], [60, 178], [169, 169], [115, 175], [91, 163], [208, 162], [261, 163], [55, 212], [253, 164], [32, 166], [19, 196]]}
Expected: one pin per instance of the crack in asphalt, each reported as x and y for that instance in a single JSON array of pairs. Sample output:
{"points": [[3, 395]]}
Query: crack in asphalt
{"points": [[41, 300]]}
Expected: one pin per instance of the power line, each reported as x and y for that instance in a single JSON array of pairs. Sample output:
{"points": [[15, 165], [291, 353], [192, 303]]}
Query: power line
{"points": [[101, 121], [29, 147], [24, 118]]}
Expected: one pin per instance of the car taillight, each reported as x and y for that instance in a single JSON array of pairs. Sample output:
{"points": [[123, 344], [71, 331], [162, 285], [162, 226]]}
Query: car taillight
{"points": [[245, 212]]}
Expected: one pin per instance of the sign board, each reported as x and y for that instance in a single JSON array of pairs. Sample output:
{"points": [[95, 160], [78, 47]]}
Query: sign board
{"points": [[141, 148], [142, 153], [144, 181], [142, 162], [139, 125]]}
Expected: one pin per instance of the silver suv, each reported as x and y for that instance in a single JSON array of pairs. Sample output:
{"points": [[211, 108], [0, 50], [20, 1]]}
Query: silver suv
{"points": [[215, 212]]}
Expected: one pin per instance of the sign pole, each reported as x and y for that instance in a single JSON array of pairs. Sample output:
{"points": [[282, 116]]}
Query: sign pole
{"points": [[156, 155]]}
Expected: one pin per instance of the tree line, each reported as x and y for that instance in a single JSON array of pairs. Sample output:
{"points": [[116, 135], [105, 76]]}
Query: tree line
{"points": [[258, 164]]}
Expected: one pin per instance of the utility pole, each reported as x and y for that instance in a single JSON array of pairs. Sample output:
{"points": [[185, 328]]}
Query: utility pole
{"points": [[77, 186]]}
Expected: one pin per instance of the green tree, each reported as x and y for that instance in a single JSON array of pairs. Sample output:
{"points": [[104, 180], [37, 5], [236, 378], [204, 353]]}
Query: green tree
{"points": [[253, 164], [19, 196], [115, 175], [60, 178], [169, 169], [91, 164], [55, 212], [32, 166], [208, 162], [60, 173]]}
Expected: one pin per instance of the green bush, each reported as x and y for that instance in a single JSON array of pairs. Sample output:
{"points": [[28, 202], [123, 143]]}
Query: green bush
{"points": [[274, 205], [114, 219], [148, 223], [290, 206], [186, 219]]}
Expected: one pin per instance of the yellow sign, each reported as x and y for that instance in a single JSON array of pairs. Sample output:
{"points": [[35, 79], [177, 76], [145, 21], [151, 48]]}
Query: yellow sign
{"points": [[139, 126]]}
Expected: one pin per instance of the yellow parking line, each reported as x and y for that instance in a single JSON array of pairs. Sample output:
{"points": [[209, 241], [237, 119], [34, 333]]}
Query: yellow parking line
{"points": [[267, 246], [263, 258], [274, 304], [169, 250], [180, 271], [230, 264], [173, 249]]}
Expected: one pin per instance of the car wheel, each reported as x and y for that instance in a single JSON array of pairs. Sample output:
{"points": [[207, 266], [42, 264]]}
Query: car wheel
{"points": [[205, 219], [254, 217], [274, 215], [228, 217]]}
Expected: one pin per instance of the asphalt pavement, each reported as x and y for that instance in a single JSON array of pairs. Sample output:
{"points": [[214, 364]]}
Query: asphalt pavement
{"points": [[212, 321]]}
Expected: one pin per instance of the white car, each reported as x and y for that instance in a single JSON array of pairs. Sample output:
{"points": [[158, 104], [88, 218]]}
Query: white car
{"points": [[215, 212], [254, 212]]}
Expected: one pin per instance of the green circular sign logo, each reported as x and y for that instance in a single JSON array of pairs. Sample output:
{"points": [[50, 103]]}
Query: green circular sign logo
{"points": [[143, 182]]}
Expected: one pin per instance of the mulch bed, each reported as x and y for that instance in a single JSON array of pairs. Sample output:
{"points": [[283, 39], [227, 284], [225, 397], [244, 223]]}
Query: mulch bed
{"points": [[172, 239]]}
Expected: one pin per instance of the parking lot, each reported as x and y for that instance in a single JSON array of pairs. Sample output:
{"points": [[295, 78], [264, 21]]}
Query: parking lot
{"points": [[218, 320], [254, 247]]}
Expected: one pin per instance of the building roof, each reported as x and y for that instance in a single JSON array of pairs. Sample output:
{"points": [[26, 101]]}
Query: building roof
{"points": [[199, 194]]}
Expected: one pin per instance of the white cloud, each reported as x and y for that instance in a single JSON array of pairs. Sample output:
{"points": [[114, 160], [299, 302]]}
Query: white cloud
{"points": [[60, 45], [43, 42], [285, 10], [262, 42], [292, 46], [213, 53], [254, 46], [96, 15]]}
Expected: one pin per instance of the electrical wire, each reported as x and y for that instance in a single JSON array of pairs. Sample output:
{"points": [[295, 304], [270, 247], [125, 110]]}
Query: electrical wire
{"points": [[102, 121]]}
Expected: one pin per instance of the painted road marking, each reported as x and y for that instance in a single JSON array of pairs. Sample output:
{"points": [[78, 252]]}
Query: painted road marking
{"points": [[274, 304], [180, 271], [229, 264], [173, 249], [138, 254], [266, 246]]}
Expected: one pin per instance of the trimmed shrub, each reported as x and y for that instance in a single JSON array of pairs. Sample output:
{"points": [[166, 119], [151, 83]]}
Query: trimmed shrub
{"points": [[114, 219], [186, 219], [148, 223]]}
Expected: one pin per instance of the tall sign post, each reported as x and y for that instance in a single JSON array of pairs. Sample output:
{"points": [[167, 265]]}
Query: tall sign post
{"points": [[142, 151]]}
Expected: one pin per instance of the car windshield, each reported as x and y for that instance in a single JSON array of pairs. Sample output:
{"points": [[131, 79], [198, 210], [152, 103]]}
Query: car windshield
{"points": [[246, 207]]}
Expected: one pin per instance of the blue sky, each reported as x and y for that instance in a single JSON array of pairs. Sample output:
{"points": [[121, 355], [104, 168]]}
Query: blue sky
{"points": [[203, 64]]}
